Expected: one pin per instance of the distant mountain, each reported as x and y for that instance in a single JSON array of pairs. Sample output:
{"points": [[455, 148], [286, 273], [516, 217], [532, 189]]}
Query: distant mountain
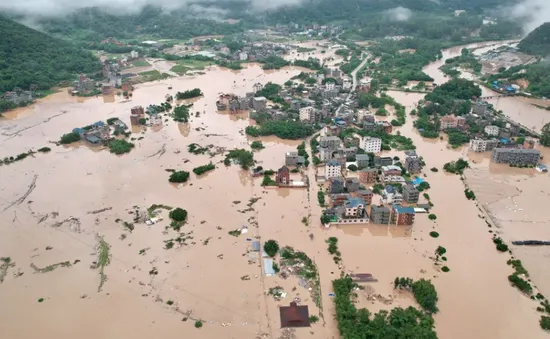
{"points": [[537, 42], [31, 58]]}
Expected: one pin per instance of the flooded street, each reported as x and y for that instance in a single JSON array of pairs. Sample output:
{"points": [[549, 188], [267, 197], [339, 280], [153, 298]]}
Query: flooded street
{"points": [[517, 108], [55, 205]]}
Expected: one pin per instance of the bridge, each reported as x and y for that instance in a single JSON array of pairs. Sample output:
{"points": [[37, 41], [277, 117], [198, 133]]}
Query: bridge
{"points": [[495, 96], [531, 131]]}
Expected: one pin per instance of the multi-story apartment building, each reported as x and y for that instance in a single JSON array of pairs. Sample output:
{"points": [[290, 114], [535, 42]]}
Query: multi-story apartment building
{"points": [[354, 208], [368, 175], [413, 164], [333, 169], [410, 194], [516, 156], [259, 103], [491, 130], [363, 160], [332, 142], [482, 145], [307, 114], [380, 215], [371, 145], [402, 215]]}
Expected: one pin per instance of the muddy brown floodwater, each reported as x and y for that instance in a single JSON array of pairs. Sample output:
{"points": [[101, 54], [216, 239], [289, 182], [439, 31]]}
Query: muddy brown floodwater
{"points": [[204, 279]]}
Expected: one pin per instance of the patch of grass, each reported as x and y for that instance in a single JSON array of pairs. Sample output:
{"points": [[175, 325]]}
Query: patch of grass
{"points": [[434, 234], [153, 76], [50, 267], [140, 63]]}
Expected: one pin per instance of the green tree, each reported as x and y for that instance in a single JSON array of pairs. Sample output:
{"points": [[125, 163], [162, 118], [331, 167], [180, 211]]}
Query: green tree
{"points": [[271, 247], [179, 177], [178, 214], [545, 135]]}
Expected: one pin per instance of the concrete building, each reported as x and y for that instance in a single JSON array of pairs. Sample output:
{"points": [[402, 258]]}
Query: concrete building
{"points": [[330, 86], [332, 142], [257, 87], [339, 199], [413, 164], [333, 169], [368, 175], [293, 159], [352, 185], [382, 161], [283, 176], [243, 56], [380, 215], [515, 156], [371, 145], [354, 208], [307, 114], [366, 195], [529, 144], [391, 170], [402, 215], [336, 185], [491, 130], [363, 160], [482, 145], [390, 195], [410, 194], [480, 108], [325, 154], [259, 103], [346, 85]]}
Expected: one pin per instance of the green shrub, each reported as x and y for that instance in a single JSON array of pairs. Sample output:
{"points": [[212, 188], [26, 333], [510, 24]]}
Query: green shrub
{"points": [[271, 247], [545, 322], [120, 146], [203, 169], [502, 247], [434, 234], [69, 138], [432, 216], [179, 177], [445, 269], [198, 324], [257, 145], [44, 149], [178, 214], [313, 319]]}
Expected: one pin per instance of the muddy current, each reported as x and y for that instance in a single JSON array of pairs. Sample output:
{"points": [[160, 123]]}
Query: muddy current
{"points": [[54, 206]]}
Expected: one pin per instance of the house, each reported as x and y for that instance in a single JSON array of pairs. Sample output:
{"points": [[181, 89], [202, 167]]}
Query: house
{"points": [[336, 185], [259, 103], [283, 176], [325, 153], [480, 108], [413, 164], [385, 126], [363, 160], [516, 156], [294, 315], [402, 215], [380, 215], [307, 114], [257, 87], [293, 159], [369, 126], [491, 130], [347, 151], [391, 195], [354, 208], [482, 145], [333, 169], [352, 184], [339, 199], [382, 161], [368, 175], [391, 170], [410, 194], [451, 121], [371, 145], [332, 142], [393, 179], [366, 195], [529, 144], [243, 56]]}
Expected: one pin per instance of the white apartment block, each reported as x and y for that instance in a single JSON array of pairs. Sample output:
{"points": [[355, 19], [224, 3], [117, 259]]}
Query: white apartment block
{"points": [[370, 144], [333, 169], [478, 145], [491, 130], [330, 86], [307, 114]]}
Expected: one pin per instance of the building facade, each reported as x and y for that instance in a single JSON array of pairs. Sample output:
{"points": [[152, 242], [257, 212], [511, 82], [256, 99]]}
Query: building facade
{"points": [[293, 159], [371, 145], [283, 176], [413, 165], [402, 215], [362, 160], [491, 130], [307, 114], [333, 169], [332, 142], [259, 103], [368, 175], [354, 208], [515, 156], [380, 215], [410, 194]]}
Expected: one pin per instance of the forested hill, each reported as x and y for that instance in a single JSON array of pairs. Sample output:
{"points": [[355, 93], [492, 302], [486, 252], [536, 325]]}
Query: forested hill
{"points": [[537, 42], [29, 57]]}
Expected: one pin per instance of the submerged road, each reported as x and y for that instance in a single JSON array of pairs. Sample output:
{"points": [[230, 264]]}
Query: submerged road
{"points": [[354, 83]]}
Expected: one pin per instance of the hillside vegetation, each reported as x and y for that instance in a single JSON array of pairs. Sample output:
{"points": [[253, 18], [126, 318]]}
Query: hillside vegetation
{"points": [[29, 58], [537, 42]]}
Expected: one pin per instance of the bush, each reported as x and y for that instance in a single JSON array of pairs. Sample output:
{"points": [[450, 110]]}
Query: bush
{"points": [[425, 294], [321, 198], [440, 250], [69, 138], [502, 247], [178, 214], [44, 149], [545, 322], [313, 319], [426, 196], [257, 145], [434, 169], [353, 168], [203, 169], [445, 269], [120, 146], [142, 121], [198, 324], [271, 247], [434, 234], [432, 217], [179, 177], [521, 284]]}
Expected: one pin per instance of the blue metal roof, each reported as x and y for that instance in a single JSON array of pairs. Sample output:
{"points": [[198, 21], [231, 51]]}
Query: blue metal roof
{"points": [[98, 124], [93, 139], [78, 130], [401, 209], [417, 181], [268, 267]]}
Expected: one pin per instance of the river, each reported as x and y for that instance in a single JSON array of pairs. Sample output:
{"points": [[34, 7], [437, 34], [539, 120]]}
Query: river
{"points": [[517, 108]]}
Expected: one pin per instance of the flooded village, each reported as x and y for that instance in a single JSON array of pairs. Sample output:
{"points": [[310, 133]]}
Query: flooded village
{"points": [[170, 230]]}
